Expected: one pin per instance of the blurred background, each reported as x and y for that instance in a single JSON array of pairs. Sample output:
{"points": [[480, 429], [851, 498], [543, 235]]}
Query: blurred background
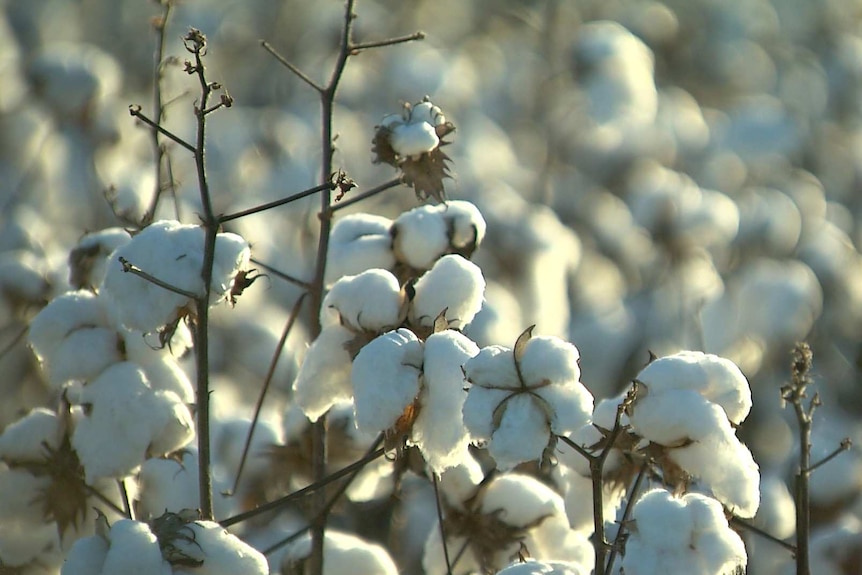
{"points": [[655, 175]]}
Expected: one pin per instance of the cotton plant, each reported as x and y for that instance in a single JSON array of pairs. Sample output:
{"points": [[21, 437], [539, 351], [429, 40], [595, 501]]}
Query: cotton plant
{"points": [[542, 568], [519, 400], [510, 516], [686, 534], [173, 253], [412, 142], [687, 406], [172, 543]]}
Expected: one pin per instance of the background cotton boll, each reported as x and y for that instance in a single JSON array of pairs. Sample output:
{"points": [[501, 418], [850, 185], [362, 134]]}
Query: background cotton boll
{"points": [[420, 237], [370, 301], [24, 282], [770, 222], [717, 379], [439, 430], [344, 554], [221, 552], [499, 319], [455, 285], [459, 482], [777, 511], [90, 257], [385, 379], [324, 377], [167, 484], [359, 242]]}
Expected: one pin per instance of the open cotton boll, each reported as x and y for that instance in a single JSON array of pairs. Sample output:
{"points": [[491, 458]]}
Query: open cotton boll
{"points": [[221, 552], [466, 224], [125, 419], [675, 417], [134, 550], [687, 534], [89, 259], [85, 557], [523, 499], [413, 139], [25, 440], [493, 366], [160, 366], [459, 482], [454, 284], [324, 377], [385, 379], [439, 430], [420, 236], [173, 253], [717, 379], [73, 339], [522, 434], [531, 567], [359, 242], [343, 554], [23, 279], [370, 301]]}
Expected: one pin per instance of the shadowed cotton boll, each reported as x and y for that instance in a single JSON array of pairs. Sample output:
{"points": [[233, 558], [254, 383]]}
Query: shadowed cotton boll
{"points": [[770, 222]]}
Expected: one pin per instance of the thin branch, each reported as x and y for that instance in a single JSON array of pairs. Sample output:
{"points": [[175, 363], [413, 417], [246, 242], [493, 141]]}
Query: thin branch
{"points": [[276, 203], [135, 111], [439, 504], [365, 195], [329, 504], [356, 48], [582, 451], [627, 513], [131, 268], [741, 523], [284, 62], [309, 489], [294, 313], [845, 445], [286, 277], [101, 497], [124, 495]]}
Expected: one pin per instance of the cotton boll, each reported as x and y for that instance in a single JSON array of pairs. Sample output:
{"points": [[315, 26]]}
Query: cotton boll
{"points": [[134, 550], [359, 242], [532, 567], [24, 282], [835, 546], [221, 552], [168, 485], [126, 419], [717, 379], [770, 222], [420, 237], [439, 430], [777, 512], [466, 224], [549, 359], [324, 377], [86, 556], [673, 418], [522, 433], [370, 301], [344, 554], [173, 253], [414, 139], [499, 320], [455, 285], [681, 535], [459, 482], [160, 366], [493, 366], [25, 439], [88, 260], [479, 409], [385, 379], [522, 498], [73, 338]]}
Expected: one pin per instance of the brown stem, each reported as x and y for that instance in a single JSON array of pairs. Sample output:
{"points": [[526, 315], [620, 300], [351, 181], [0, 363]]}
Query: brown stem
{"points": [[365, 195], [356, 48], [268, 206]]}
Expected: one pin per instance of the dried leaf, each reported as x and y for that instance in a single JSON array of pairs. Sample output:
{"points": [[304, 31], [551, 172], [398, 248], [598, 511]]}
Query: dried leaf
{"points": [[521, 343]]}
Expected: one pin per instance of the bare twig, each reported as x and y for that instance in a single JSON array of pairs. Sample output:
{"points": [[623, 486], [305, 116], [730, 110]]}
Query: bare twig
{"points": [[276, 203], [795, 393], [313, 488], [365, 195], [131, 268], [616, 547], [284, 62], [442, 528], [135, 111], [734, 520], [294, 313], [357, 48], [101, 497], [286, 277], [845, 445]]}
